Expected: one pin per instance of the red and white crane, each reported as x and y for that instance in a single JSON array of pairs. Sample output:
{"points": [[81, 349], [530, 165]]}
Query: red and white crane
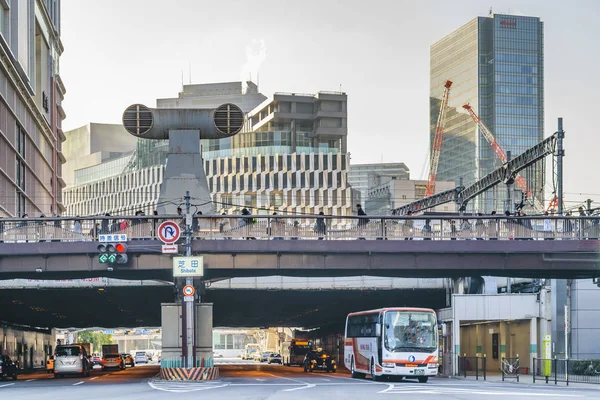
{"points": [[500, 153], [437, 141]]}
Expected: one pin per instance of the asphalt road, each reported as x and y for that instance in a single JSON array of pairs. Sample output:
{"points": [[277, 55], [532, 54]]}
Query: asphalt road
{"points": [[243, 380]]}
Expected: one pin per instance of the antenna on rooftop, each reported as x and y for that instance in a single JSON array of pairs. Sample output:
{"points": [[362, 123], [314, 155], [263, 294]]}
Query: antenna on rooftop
{"points": [[491, 13]]}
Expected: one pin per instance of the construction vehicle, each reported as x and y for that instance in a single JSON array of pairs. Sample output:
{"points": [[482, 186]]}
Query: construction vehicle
{"points": [[500, 153], [437, 141]]}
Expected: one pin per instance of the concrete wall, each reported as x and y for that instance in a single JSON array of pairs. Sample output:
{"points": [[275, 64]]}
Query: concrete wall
{"points": [[28, 347], [585, 320]]}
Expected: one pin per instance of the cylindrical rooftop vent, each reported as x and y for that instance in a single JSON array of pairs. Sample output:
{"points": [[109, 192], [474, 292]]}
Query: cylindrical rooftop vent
{"points": [[138, 119], [229, 119]]}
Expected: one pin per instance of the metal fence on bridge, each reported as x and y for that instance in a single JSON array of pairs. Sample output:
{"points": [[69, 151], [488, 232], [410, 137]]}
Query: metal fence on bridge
{"points": [[302, 227]]}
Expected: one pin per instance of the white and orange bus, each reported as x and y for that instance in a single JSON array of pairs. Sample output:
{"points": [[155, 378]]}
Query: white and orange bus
{"points": [[400, 342]]}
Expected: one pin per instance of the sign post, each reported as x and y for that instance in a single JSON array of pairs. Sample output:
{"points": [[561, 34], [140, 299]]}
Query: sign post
{"points": [[546, 356]]}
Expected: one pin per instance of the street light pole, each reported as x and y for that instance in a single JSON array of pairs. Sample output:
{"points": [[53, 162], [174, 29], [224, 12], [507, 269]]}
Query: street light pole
{"points": [[188, 305]]}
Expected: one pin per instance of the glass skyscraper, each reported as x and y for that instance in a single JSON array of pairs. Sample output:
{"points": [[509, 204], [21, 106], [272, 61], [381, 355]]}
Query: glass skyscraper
{"points": [[496, 65]]}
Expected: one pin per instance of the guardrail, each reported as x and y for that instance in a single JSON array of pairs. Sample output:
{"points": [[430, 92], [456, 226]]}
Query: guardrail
{"points": [[304, 227], [472, 366], [569, 370]]}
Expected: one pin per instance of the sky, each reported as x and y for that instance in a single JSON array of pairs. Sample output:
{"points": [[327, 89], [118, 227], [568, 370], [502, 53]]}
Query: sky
{"points": [[119, 52]]}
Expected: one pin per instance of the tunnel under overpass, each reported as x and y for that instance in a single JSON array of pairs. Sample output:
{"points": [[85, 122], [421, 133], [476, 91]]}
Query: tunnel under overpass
{"points": [[112, 307]]}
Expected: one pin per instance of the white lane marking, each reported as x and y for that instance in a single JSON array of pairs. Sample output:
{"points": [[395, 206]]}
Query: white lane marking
{"points": [[8, 384], [30, 380], [299, 388], [361, 381], [260, 380], [96, 377], [390, 387], [289, 379], [182, 388], [78, 383]]}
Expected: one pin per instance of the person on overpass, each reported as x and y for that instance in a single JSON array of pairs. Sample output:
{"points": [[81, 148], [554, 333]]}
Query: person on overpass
{"points": [[492, 227], [362, 222], [320, 227]]}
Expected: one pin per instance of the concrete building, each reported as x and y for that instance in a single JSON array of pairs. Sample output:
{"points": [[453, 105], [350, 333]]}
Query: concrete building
{"points": [[362, 177], [393, 192], [496, 64], [31, 113], [290, 157]]}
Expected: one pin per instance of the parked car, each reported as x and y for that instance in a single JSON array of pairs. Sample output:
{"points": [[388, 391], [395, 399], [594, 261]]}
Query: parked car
{"points": [[71, 359], [96, 359], [113, 360], [262, 356], [50, 364], [128, 360], [319, 359], [8, 368], [217, 354], [275, 358], [141, 357]]}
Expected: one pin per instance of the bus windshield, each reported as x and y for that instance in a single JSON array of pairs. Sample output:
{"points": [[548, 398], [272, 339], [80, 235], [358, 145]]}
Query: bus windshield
{"points": [[410, 331]]}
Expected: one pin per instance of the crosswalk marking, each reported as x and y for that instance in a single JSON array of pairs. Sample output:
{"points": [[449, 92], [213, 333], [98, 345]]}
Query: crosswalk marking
{"points": [[184, 387], [441, 390]]}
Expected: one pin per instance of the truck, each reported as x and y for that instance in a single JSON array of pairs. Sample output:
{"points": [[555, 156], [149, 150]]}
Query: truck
{"points": [[86, 346], [110, 349], [249, 351]]}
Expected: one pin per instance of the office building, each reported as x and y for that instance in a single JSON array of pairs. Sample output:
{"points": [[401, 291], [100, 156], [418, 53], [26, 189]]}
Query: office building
{"points": [[496, 65], [364, 176], [393, 192], [31, 113], [291, 157]]}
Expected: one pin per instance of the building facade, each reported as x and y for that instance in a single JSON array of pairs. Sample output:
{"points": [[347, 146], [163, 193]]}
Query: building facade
{"points": [[31, 113], [393, 192], [364, 176], [496, 65], [291, 157]]}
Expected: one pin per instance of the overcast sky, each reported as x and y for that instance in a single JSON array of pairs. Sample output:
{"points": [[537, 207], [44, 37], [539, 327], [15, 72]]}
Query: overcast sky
{"points": [[119, 52]]}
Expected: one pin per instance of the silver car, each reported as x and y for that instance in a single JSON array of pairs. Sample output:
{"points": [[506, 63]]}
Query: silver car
{"points": [[71, 359]]}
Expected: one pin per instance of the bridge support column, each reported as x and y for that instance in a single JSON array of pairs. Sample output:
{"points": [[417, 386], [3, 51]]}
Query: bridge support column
{"points": [[171, 365], [503, 336], [533, 342]]}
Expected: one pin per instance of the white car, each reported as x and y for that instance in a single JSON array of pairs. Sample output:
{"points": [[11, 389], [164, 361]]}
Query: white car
{"points": [[141, 357], [113, 361], [217, 354]]}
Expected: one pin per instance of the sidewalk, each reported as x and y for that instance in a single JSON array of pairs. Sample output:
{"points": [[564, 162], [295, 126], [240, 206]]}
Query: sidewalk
{"points": [[527, 380]]}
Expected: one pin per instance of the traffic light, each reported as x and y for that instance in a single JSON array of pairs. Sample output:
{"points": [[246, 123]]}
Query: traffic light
{"points": [[112, 253]]}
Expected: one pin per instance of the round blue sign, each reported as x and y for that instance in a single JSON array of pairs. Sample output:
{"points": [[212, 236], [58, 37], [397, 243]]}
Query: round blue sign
{"points": [[411, 358]]}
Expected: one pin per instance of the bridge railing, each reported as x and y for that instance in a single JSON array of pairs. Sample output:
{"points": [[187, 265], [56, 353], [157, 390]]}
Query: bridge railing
{"points": [[296, 227]]}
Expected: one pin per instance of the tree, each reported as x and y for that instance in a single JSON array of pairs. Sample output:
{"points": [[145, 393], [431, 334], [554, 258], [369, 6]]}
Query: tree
{"points": [[97, 339]]}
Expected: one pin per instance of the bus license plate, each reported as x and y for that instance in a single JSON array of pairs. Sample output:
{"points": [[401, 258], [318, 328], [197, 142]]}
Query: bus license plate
{"points": [[419, 371]]}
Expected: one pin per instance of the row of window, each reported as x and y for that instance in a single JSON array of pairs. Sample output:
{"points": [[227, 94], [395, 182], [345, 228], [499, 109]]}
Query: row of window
{"points": [[362, 325], [516, 69], [517, 58], [294, 181], [520, 100], [517, 120], [276, 199], [516, 79], [274, 163], [517, 131], [514, 89], [514, 110]]}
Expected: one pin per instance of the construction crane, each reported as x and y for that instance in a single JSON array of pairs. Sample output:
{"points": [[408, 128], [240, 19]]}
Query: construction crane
{"points": [[500, 153], [553, 204], [437, 141]]}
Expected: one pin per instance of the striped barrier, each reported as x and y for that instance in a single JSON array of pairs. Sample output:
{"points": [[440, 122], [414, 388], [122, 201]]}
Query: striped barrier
{"points": [[189, 374]]}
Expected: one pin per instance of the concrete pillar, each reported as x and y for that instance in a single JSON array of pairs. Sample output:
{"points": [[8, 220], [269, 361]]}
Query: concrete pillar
{"points": [[479, 340], [184, 171], [204, 328], [503, 336], [533, 341], [459, 286], [455, 340], [558, 300]]}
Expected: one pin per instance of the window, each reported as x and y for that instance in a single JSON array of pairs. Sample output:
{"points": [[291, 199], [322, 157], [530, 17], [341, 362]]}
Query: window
{"points": [[3, 20], [362, 325], [20, 169], [250, 200], [276, 199], [20, 142]]}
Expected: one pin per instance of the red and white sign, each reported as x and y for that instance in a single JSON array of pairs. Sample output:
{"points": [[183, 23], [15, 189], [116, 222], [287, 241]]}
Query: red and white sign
{"points": [[170, 249], [188, 290], [168, 232]]}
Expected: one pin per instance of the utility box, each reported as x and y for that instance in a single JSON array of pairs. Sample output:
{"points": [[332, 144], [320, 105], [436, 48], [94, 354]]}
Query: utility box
{"points": [[172, 335]]}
